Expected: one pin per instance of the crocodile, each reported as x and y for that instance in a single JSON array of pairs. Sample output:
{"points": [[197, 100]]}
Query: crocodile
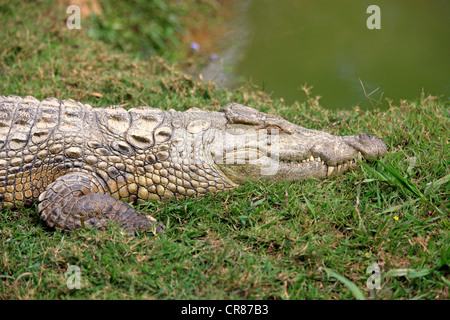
{"points": [[85, 166]]}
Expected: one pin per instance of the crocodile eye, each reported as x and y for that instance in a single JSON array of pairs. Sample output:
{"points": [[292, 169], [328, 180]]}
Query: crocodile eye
{"points": [[273, 129]]}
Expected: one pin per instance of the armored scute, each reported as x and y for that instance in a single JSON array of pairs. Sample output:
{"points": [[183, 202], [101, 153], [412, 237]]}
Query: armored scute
{"points": [[83, 164]]}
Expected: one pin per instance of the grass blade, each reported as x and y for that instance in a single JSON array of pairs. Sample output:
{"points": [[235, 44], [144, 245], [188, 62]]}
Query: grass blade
{"points": [[436, 184], [352, 287], [408, 273], [394, 178]]}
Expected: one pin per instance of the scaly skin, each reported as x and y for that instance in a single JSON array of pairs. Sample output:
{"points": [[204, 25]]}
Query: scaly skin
{"points": [[82, 163]]}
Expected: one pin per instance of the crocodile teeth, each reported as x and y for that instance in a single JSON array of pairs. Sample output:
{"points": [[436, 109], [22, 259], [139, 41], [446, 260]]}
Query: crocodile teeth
{"points": [[330, 170], [311, 158], [360, 157], [339, 168], [318, 159]]}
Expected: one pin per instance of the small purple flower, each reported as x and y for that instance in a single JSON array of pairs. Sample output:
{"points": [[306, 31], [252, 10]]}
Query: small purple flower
{"points": [[213, 56], [195, 46]]}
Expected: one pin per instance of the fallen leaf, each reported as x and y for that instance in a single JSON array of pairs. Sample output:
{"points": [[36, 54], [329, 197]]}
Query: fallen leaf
{"points": [[96, 94]]}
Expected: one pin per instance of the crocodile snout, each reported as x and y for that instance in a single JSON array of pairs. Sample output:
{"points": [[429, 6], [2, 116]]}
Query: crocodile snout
{"points": [[368, 145]]}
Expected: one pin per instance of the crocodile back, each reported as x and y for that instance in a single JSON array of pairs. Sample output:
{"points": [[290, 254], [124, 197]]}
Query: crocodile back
{"points": [[35, 139], [138, 155]]}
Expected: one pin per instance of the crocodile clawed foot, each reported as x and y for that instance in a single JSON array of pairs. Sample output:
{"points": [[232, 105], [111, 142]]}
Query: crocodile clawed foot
{"points": [[154, 226]]}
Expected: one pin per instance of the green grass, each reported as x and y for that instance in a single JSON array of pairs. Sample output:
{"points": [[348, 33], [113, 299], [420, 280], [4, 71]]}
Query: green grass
{"points": [[158, 35], [309, 240]]}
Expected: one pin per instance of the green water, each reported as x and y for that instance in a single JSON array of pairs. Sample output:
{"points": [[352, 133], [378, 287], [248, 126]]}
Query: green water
{"points": [[283, 44]]}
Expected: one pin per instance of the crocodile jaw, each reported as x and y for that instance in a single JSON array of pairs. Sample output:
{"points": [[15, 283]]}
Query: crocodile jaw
{"points": [[279, 170], [291, 166], [272, 148]]}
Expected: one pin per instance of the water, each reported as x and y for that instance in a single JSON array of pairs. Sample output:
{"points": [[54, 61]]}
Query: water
{"points": [[280, 45]]}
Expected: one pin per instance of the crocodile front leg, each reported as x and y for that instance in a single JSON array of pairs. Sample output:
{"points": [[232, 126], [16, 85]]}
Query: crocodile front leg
{"points": [[79, 199]]}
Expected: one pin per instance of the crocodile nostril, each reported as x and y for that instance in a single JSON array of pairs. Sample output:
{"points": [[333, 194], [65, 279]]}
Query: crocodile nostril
{"points": [[365, 136]]}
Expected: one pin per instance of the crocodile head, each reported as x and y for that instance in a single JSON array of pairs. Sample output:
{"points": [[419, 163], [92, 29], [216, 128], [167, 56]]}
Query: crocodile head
{"points": [[256, 145]]}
